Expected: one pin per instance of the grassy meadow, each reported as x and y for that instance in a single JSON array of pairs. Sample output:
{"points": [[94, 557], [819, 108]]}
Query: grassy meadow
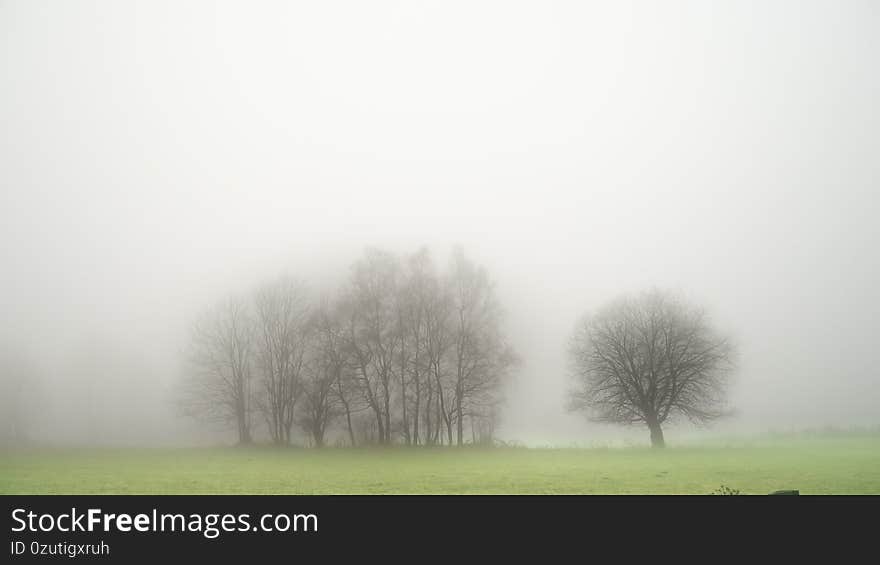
{"points": [[849, 465]]}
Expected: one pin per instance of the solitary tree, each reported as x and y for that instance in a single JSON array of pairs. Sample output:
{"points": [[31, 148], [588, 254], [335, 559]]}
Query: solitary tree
{"points": [[647, 360]]}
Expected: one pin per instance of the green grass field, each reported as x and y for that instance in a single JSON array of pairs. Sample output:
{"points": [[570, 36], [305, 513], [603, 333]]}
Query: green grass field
{"points": [[814, 466]]}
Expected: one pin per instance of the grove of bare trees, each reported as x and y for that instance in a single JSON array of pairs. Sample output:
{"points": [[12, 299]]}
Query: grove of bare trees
{"points": [[648, 359], [402, 353]]}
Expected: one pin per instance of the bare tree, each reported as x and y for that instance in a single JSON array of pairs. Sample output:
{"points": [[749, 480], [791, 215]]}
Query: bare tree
{"points": [[481, 359], [439, 405], [419, 283], [648, 359], [372, 333], [282, 313], [218, 380], [323, 392], [346, 388]]}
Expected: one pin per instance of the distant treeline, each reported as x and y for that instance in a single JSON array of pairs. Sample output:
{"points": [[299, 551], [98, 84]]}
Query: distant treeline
{"points": [[402, 353], [826, 431]]}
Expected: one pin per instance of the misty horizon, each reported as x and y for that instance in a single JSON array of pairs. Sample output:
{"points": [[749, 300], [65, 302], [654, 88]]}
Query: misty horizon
{"points": [[153, 165]]}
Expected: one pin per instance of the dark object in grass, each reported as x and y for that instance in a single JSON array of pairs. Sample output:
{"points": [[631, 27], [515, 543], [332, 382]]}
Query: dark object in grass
{"points": [[790, 492], [726, 490]]}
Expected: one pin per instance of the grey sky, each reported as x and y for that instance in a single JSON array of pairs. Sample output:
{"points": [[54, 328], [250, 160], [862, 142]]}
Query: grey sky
{"points": [[157, 155]]}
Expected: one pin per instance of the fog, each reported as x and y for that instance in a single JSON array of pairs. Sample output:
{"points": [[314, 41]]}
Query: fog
{"points": [[155, 157]]}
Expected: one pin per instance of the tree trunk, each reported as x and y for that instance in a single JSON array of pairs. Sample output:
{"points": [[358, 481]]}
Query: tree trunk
{"points": [[429, 402], [406, 437], [460, 422], [380, 425], [387, 440], [415, 433], [449, 429], [350, 428], [656, 434], [244, 434]]}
